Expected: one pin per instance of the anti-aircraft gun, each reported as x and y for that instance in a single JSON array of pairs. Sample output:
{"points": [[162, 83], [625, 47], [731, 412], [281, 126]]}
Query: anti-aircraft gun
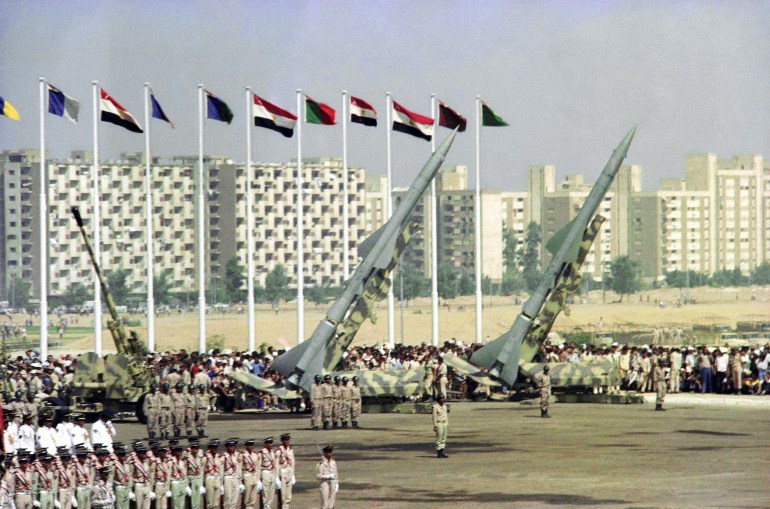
{"points": [[119, 381]]}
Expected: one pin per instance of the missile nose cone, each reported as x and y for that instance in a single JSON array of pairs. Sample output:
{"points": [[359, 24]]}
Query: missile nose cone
{"points": [[626, 143]]}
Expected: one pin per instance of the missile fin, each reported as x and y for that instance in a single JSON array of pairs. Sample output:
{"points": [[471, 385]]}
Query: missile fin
{"points": [[558, 239], [368, 243], [286, 362]]}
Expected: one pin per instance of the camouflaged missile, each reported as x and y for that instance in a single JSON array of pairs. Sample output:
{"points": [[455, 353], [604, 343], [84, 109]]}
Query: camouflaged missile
{"points": [[372, 275], [119, 378], [501, 356]]}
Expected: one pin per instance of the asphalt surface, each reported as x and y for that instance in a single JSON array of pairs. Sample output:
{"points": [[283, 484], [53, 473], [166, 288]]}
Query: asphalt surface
{"points": [[504, 455]]}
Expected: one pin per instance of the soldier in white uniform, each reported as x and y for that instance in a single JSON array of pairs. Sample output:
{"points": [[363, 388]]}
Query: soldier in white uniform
{"points": [[326, 473]]}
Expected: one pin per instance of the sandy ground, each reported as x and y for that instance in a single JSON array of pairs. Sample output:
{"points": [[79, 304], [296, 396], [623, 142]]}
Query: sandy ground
{"points": [[713, 306], [505, 455]]}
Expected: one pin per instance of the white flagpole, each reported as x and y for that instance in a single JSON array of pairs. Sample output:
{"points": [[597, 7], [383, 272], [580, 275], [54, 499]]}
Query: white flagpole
{"points": [[249, 229], [300, 229], [43, 229], [201, 232], [96, 225], [389, 212], [345, 226], [477, 223], [433, 235], [148, 212]]}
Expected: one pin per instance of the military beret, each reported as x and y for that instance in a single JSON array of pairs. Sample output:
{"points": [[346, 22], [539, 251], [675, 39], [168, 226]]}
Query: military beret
{"points": [[268, 440], [285, 436], [328, 448]]}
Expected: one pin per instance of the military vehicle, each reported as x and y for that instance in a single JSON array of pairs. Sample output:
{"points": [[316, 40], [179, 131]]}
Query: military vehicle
{"points": [[323, 351], [117, 381]]}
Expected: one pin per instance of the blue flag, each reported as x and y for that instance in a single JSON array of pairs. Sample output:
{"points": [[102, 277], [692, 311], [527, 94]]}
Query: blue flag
{"points": [[217, 109], [62, 105], [157, 111]]}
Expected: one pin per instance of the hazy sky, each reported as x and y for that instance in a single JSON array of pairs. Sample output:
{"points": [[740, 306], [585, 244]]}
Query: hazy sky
{"points": [[571, 77]]}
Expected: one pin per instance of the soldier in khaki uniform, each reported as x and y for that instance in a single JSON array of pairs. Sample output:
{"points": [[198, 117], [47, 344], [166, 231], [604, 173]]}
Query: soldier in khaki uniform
{"points": [[179, 401], [326, 472], [84, 477], [121, 478], [189, 416], [232, 475], [440, 425], [441, 377], [427, 377], [160, 475], [543, 383], [336, 402], [251, 473], [212, 475], [22, 484], [285, 459], [268, 473], [141, 478], [193, 463], [166, 418], [660, 386], [327, 396], [346, 401], [355, 402], [151, 408], [44, 488], [201, 410], [180, 488], [65, 478], [316, 401], [736, 370]]}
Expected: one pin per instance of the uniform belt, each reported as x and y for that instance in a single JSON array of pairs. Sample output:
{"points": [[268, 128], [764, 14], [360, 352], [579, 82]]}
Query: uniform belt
{"points": [[212, 476], [22, 493]]}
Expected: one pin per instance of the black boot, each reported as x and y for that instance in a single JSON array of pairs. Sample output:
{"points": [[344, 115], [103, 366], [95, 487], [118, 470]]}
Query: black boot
{"points": [[355, 424], [443, 454], [438, 453], [326, 425], [545, 414], [344, 424], [334, 425], [151, 435], [659, 407], [315, 428], [200, 433]]}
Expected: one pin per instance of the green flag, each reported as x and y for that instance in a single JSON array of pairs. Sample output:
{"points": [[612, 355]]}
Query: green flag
{"points": [[489, 118]]}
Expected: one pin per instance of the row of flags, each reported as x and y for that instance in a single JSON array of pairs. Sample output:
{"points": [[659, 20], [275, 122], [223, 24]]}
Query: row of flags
{"points": [[267, 114]]}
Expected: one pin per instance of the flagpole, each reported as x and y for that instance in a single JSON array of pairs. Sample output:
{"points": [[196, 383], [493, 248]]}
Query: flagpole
{"points": [[249, 230], [96, 224], [201, 233], [43, 230], [477, 223], [345, 226], [389, 212], [300, 229], [433, 235], [148, 211]]}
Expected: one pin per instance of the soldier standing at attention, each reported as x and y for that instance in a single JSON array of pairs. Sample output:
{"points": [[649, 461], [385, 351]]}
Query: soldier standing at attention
{"points": [[232, 475], [250, 463], [326, 472], [427, 377], [336, 402], [441, 379], [660, 386], [179, 401], [316, 401], [165, 413], [189, 415], [440, 425], [268, 470], [543, 382], [675, 363], [201, 410], [355, 403], [328, 401], [644, 371], [102, 496], [285, 459], [346, 401], [151, 408]]}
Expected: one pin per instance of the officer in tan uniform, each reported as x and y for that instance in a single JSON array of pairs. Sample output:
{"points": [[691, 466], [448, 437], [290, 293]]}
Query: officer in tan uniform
{"points": [[543, 383], [84, 477], [346, 401], [201, 409], [440, 377], [151, 408], [268, 473], [440, 425], [232, 473], [660, 386], [355, 402], [212, 475], [326, 472], [193, 458], [165, 418], [189, 416], [327, 396], [65, 478], [180, 488], [251, 475], [160, 474], [44, 486], [141, 478], [121, 477], [179, 402], [316, 401], [285, 460], [336, 402]]}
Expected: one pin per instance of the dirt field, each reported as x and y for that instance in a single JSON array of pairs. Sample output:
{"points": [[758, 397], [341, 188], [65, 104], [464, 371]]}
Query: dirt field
{"points": [[712, 306], [504, 455]]}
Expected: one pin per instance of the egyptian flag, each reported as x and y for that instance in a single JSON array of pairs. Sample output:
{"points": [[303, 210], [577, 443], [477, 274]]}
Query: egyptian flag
{"points": [[318, 113], [62, 105], [361, 112], [114, 113], [412, 123], [157, 111], [217, 109], [270, 116], [8, 110], [449, 118]]}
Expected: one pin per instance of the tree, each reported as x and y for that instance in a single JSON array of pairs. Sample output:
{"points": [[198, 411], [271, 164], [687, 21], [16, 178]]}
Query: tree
{"points": [[510, 254], [467, 284], [726, 277], [276, 285], [161, 288], [19, 292], [76, 295], [531, 258], [678, 279], [448, 281], [513, 281], [761, 274], [415, 284], [233, 279], [624, 276], [117, 281]]}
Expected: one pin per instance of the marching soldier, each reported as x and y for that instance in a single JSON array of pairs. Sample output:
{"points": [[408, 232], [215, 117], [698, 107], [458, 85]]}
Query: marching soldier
{"points": [[355, 403], [440, 425], [84, 477], [268, 470], [160, 474], [285, 459], [201, 409], [151, 408], [232, 473], [179, 400], [102, 496], [660, 385], [7, 476], [316, 401], [327, 396], [212, 471], [193, 458], [22, 483], [189, 415], [141, 478], [336, 403], [251, 476], [65, 478], [166, 409], [180, 489], [121, 477], [326, 472], [346, 401], [44, 483], [543, 382]]}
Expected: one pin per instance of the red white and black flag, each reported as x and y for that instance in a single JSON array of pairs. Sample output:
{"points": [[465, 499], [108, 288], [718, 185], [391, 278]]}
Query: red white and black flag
{"points": [[361, 112], [112, 112], [408, 122]]}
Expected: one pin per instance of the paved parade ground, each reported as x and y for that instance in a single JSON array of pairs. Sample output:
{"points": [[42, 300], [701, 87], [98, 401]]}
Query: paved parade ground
{"points": [[504, 455]]}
